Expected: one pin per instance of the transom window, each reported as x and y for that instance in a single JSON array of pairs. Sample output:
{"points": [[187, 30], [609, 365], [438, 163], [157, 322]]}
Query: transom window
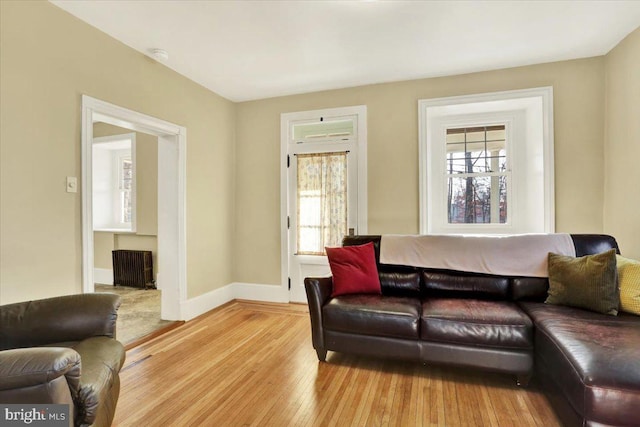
{"points": [[314, 131]]}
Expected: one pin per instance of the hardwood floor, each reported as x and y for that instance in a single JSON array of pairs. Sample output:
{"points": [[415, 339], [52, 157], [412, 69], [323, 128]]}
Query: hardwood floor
{"points": [[252, 364]]}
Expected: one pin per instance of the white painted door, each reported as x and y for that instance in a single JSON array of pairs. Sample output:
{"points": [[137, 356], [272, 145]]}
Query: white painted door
{"points": [[325, 178]]}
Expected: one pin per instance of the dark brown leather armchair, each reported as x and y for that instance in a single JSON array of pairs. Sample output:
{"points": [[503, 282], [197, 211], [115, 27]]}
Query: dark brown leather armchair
{"points": [[63, 350]]}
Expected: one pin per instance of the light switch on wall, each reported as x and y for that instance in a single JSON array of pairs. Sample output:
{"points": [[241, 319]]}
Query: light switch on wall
{"points": [[72, 184]]}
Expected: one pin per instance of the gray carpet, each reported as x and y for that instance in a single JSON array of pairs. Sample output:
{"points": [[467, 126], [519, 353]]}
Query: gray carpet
{"points": [[139, 314]]}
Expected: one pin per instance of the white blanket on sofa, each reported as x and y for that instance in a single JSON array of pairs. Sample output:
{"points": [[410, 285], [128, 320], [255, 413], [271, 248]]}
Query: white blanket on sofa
{"points": [[514, 255]]}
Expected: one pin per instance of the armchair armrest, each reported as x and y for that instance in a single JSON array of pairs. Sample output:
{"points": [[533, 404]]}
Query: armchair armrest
{"points": [[318, 293], [39, 375], [61, 319]]}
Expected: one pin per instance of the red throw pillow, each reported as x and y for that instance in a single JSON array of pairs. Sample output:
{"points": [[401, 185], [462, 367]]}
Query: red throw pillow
{"points": [[354, 270]]}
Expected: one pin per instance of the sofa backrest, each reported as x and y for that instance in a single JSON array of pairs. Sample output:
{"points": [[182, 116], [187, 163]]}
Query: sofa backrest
{"points": [[411, 281], [457, 284], [535, 288]]}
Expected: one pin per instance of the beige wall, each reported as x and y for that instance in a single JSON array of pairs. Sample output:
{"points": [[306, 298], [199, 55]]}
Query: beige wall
{"points": [[103, 244], [622, 145], [48, 60], [393, 153]]}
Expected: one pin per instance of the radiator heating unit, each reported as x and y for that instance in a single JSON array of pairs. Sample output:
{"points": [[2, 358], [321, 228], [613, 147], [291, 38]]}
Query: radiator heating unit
{"points": [[133, 268]]}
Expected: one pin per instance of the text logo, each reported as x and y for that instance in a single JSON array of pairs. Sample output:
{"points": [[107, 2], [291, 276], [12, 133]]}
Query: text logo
{"points": [[40, 415]]}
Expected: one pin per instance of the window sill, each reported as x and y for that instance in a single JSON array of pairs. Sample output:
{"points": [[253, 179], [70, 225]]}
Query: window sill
{"points": [[114, 230]]}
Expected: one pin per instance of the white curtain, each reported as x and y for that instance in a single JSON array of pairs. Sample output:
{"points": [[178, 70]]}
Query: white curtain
{"points": [[322, 201]]}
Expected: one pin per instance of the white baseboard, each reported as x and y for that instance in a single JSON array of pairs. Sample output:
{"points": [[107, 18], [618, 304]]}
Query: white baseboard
{"points": [[103, 276], [194, 307], [255, 292]]}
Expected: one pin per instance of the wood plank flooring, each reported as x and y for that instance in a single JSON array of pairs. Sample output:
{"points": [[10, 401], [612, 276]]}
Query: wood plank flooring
{"points": [[252, 364]]}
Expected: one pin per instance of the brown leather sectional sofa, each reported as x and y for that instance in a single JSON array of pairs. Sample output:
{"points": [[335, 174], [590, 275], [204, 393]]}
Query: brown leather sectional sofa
{"points": [[63, 350], [589, 363]]}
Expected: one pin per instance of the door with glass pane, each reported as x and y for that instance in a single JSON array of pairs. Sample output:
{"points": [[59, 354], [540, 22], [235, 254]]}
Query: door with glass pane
{"points": [[322, 193]]}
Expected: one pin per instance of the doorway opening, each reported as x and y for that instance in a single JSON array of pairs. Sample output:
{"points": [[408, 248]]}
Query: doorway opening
{"points": [[171, 195], [323, 189]]}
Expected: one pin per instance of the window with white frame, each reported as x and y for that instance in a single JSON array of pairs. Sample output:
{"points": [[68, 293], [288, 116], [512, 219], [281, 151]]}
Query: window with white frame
{"points": [[486, 163], [477, 175], [113, 170]]}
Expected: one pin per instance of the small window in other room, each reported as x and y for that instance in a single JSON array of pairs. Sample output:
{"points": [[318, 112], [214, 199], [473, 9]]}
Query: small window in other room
{"points": [[125, 183], [114, 178]]}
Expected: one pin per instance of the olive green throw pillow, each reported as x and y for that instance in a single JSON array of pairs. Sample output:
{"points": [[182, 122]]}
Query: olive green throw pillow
{"points": [[588, 282]]}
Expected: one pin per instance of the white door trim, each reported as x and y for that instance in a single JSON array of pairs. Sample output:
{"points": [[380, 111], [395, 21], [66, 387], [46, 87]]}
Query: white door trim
{"points": [[171, 218], [362, 209]]}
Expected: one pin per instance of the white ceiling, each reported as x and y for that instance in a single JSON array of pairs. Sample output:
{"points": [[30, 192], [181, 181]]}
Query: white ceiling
{"points": [[246, 50]]}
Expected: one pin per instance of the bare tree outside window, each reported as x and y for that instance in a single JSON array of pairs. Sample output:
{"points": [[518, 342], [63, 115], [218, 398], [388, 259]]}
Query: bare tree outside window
{"points": [[477, 175]]}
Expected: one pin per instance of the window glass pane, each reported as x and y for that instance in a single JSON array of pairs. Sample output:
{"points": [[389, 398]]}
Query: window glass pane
{"points": [[127, 174], [322, 201], [477, 200], [310, 214], [126, 206], [323, 129], [126, 179], [309, 240], [476, 150]]}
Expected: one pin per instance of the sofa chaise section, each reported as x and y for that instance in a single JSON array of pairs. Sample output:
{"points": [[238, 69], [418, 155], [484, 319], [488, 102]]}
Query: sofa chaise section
{"points": [[590, 362]]}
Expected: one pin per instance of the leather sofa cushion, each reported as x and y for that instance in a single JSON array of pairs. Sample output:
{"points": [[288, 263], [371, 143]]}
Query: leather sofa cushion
{"points": [[452, 284], [529, 288], [38, 323], [400, 282], [376, 315], [593, 358], [101, 359], [476, 322], [589, 244]]}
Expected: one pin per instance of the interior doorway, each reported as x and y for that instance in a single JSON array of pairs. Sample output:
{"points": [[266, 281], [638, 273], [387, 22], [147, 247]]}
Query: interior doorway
{"points": [[171, 188]]}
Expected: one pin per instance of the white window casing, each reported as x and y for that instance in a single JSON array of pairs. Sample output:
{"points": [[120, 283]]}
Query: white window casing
{"points": [[528, 119]]}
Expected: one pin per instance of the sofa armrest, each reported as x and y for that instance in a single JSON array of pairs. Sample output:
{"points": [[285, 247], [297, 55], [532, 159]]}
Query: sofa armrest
{"points": [[318, 293], [39, 375], [67, 318]]}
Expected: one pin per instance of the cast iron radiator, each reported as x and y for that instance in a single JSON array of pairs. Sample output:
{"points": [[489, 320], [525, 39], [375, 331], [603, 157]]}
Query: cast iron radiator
{"points": [[132, 268]]}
